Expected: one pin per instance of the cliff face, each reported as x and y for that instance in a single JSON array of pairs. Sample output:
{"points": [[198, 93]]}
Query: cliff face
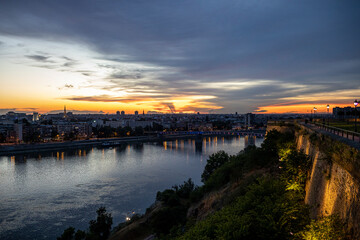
{"points": [[333, 183]]}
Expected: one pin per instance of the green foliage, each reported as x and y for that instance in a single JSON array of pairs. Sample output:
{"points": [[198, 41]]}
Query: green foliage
{"points": [[139, 131], [99, 229], [272, 207], [329, 228], [215, 161], [79, 235], [295, 167], [168, 197], [184, 190], [274, 141], [266, 211], [171, 197], [68, 234], [104, 132], [166, 218], [2, 137]]}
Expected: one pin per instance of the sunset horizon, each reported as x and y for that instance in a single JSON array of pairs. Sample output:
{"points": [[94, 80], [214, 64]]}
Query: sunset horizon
{"points": [[227, 57]]}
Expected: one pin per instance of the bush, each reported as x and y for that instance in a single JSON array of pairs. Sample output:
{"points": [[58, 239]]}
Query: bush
{"points": [[266, 211], [215, 161], [329, 228], [184, 190], [171, 197], [99, 229], [166, 218], [68, 234]]}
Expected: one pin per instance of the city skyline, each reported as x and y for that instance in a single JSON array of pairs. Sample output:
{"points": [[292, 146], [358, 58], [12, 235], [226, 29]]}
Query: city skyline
{"points": [[204, 56]]}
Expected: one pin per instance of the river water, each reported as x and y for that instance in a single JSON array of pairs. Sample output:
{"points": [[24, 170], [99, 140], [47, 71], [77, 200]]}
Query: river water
{"points": [[42, 194]]}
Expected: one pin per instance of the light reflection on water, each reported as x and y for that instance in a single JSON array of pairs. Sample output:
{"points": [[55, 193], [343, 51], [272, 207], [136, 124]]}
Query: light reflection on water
{"points": [[42, 194]]}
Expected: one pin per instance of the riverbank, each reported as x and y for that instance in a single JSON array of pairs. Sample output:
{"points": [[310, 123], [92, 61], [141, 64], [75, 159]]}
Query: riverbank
{"points": [[41, 147]]}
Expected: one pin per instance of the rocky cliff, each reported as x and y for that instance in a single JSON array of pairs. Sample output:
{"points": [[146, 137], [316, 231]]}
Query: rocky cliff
{"points": [[333, 182]]}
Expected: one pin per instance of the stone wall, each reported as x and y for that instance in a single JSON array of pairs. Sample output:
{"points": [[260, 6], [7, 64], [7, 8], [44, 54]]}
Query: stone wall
{"points": [[333, 182]]}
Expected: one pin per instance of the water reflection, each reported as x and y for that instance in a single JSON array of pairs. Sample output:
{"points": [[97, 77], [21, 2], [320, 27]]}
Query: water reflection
{"points": [[199, 146], [64, 188], [138, 147], [249, 141]]}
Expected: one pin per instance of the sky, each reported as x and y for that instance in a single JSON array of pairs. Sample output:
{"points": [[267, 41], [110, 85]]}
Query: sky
{"points": [[205, 56]]}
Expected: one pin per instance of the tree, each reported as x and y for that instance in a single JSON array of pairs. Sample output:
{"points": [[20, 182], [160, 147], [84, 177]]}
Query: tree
{"points": [[139, 131], [100, 228], [80, 235], [2, 138], [215, 161], [68, 234]]}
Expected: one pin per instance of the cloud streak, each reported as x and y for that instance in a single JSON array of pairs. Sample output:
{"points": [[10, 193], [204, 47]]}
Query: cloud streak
{"points": [[243, 53], [39, 58]]}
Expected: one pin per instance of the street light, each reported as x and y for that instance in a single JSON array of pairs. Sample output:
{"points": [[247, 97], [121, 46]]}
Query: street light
{"points": [[315, 111], [355, 104], [328, 107]]}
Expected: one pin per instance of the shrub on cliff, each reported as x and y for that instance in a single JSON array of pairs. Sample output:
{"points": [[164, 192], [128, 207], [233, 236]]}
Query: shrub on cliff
{"points": [[265, 211], [329, 228], [167, 218], [99, 229], [215, 161]]}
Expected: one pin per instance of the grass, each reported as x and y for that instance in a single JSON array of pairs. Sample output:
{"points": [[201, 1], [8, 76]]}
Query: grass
{"points": [[347, 124]]}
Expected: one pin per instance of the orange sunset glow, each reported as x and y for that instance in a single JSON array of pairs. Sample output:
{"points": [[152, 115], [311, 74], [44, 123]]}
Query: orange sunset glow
{"points": [[129, 68]]}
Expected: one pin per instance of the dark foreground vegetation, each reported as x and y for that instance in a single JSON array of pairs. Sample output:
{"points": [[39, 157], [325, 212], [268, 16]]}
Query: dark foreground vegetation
{"points": [[265, 200]]}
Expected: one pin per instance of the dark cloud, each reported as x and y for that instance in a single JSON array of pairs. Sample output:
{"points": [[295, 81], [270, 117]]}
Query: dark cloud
{"points": [[75, 111], [260, 111], [5, 110], [67, 58], [190, 108], [106, 98], [309, 43], [20, 110], [39, 58], [69, 64], [125, 76]]}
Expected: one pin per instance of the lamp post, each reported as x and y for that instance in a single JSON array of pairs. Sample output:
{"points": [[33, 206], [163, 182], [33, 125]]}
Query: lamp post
{"points": [[355, 104], [312, 115], [328, 116], [315, 111]]}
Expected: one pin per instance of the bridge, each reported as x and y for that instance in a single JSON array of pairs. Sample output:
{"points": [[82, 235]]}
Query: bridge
{"points": [[252, 132]]}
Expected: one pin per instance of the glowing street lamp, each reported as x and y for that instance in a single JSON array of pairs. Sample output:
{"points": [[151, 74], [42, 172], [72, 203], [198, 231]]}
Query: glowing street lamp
{"points": [[315, 111], [355, 104], [328, 108]]}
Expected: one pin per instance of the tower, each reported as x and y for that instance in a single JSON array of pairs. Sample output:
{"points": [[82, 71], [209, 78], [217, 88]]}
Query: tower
{"points": [[64, 111]]}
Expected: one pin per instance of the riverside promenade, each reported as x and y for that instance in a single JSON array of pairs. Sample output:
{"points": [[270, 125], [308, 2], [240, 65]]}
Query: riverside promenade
{"points": [[106, 142]]}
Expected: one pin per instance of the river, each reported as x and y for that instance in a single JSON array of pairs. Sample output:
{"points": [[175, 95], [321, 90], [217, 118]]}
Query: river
{"points": [[42, 194]]}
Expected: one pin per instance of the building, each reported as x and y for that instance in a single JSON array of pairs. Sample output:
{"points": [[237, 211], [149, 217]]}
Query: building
{"points": [[133, 124], [35, 117], [136, 113], [122, 113], [249, 119], [18, 127], [345, 112]]}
